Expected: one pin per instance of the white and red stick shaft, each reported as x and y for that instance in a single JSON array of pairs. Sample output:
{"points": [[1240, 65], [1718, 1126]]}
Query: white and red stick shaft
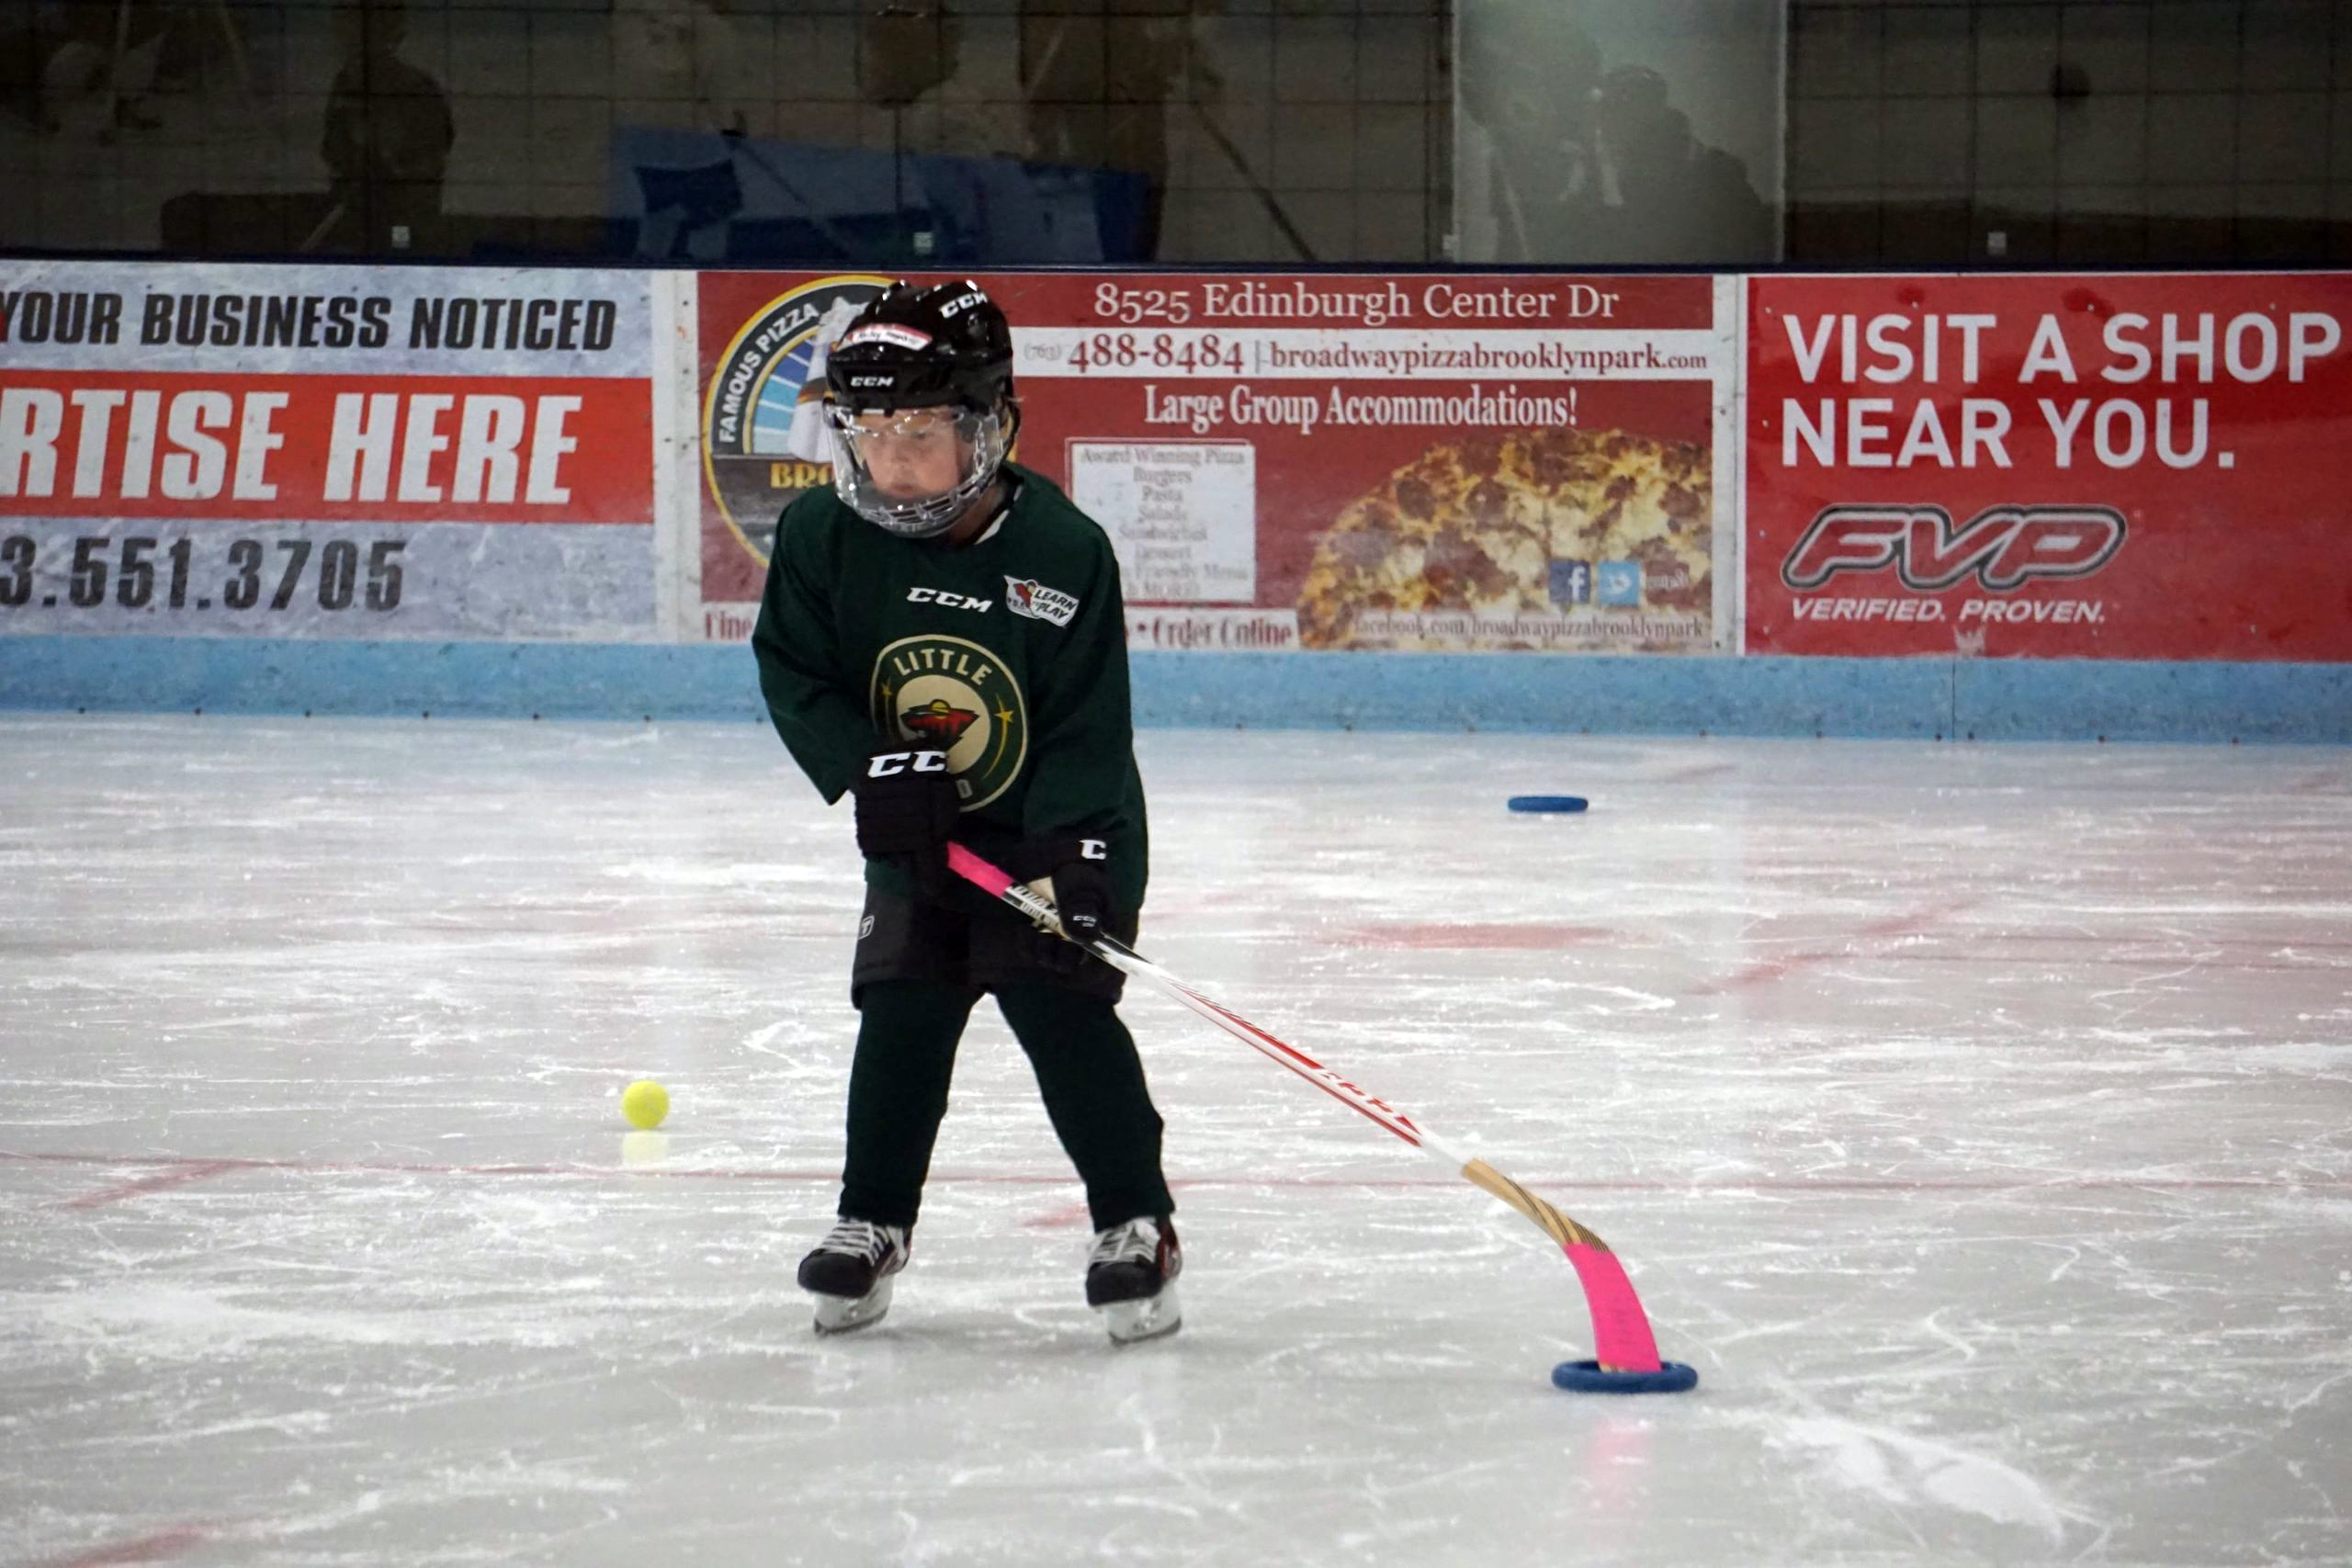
{"points": [[1622, 1337]]}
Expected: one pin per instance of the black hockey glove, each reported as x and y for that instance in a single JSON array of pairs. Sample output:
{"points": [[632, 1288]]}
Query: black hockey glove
{"points": [[1076, 874], [906, 809], [1081, 891]]}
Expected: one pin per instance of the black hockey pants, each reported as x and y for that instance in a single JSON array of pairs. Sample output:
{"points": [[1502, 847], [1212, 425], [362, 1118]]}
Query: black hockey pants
{"points": [[1087, 1069]]}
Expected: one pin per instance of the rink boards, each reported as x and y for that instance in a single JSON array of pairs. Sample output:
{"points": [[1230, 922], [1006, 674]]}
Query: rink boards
{"points": [[1951, 505], [1922, 698]]}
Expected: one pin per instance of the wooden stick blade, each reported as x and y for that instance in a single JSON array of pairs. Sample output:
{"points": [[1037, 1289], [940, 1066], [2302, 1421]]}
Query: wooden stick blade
{"points": [[1622, 1339]]}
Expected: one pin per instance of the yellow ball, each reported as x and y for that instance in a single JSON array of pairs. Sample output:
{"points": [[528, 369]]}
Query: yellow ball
{"points": [[645, 1102]]}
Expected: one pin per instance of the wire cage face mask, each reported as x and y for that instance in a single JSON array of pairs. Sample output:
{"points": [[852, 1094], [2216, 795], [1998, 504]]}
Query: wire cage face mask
{"points": [[914, 440]]}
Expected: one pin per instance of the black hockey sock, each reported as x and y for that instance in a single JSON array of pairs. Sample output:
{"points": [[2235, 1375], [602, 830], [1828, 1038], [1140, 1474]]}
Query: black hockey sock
{"points": [[898, 1092], [1093, 1086]]}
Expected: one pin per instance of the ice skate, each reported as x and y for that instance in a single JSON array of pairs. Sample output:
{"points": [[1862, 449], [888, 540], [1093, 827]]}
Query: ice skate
{"points": [[851, 1271], [1131, 1280]]}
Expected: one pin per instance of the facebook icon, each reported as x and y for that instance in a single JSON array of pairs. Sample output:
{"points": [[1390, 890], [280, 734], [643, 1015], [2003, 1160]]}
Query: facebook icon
{"points": [[1621, 582], [1571, 582]]}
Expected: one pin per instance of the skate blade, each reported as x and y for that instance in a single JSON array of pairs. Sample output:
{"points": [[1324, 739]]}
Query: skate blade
{"points": [[847, 1315], [1152, 1317]]}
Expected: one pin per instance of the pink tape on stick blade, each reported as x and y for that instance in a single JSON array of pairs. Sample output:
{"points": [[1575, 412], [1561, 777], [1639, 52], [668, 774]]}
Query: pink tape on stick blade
{"points": [[1621, 1330]]}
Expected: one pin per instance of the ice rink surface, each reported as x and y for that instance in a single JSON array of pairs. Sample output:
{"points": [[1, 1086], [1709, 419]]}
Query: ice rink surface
{"points": [[1977, 1120]]}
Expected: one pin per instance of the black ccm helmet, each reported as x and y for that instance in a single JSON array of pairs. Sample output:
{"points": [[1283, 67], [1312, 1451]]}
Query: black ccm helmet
{"points": [[944, 346]]}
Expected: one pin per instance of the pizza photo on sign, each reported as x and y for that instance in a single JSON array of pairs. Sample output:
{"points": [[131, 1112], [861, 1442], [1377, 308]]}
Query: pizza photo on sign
{"points": [[1528, 538]]}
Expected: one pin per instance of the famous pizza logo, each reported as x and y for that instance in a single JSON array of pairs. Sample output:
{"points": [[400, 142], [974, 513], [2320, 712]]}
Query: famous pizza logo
{"points": [[764, 438], [951, 692]]}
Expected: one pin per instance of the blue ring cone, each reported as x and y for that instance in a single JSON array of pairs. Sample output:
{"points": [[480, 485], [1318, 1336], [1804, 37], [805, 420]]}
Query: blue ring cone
{"points": [[1546, 802], [1587, 1377]]}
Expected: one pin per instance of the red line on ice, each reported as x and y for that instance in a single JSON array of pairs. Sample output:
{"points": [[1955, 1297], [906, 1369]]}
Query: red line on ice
{"points": [[1916, 923], [1059, 1178], [153, 1548], [1504, 936], [187, 1172]]}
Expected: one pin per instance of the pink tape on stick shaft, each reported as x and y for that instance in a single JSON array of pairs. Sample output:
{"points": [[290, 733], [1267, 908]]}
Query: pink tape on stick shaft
{"points": [[988, 878]]}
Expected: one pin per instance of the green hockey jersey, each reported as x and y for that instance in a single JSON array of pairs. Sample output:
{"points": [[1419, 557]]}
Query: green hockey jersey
{"points": [[1009, 653]]}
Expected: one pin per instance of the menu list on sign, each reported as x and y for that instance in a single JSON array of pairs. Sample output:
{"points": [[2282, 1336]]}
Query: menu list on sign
{"points": [[1182, 516]]}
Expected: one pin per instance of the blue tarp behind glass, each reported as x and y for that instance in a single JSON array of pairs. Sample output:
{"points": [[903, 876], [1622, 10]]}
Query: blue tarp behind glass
{"points": [[693, 196]]}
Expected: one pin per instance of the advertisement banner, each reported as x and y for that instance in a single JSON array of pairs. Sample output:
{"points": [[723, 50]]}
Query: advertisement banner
{"points": [[2141, 467], [1458, 463], [326, 451]]}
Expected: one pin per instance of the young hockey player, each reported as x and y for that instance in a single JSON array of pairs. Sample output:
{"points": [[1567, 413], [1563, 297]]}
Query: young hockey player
{"points": [[942, 637]]}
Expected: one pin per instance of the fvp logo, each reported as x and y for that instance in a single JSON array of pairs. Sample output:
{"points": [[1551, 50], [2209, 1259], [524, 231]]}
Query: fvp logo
{"points": [[2002, 546]]}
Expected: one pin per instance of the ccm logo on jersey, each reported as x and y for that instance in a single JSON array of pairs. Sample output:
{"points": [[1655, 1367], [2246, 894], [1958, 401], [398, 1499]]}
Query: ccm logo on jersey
{"points": [[941, 597], [1031, 598], [883, 765]]}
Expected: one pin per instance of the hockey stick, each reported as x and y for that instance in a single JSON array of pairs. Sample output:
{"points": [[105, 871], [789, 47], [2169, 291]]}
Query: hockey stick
{"points": [[1622, 1343]]}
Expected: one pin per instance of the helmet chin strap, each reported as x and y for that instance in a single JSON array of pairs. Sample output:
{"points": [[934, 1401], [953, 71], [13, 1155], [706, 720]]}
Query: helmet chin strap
{"points": [[930, 517]]}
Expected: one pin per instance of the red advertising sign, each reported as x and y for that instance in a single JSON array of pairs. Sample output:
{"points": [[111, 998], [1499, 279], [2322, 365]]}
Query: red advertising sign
{"points": [[300, 447], [2123, 467], [1365, 461], [322, 450]]}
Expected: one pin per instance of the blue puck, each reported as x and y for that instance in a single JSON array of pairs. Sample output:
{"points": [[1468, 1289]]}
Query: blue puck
{"points": [[1546, 802], [1587, 1377]]}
